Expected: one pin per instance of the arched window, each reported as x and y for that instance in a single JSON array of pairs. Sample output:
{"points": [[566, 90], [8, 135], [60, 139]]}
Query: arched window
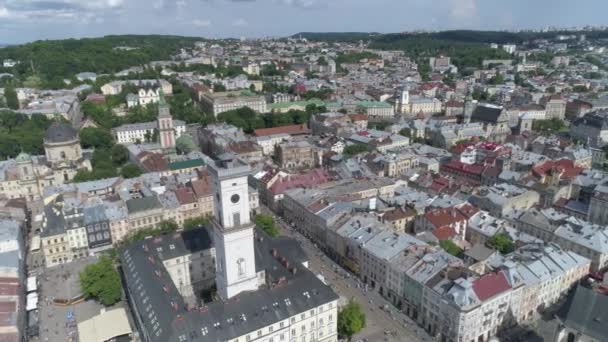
{"points": [[241, 267], [62, 155]]}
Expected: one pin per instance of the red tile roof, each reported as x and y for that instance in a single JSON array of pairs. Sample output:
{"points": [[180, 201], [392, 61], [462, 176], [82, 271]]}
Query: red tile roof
{"points": [[456, 165], [444, 217], [291, 129], [454, 103], [201, 187], [153, 162], [444, 233], [358, 117], [309, 179], [564, 166], [490, 285], [399, 214], [467, 210], [185, 195]]}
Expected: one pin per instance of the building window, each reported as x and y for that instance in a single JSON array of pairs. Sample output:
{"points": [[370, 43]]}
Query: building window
{"points": [[241, 267]]}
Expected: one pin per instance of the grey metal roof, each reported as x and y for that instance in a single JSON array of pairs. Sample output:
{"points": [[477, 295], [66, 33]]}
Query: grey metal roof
{"points": [[142, 204], [166, 318], [586, 311], [486, 113], [60, 132]]}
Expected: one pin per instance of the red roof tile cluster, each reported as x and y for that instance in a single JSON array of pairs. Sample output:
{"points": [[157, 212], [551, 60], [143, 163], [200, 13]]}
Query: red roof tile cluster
{"points": [[291, 129], [565, 167], [153, 162], [444, 217], [467, 210], [444, 233], [358, 117], [455, 165], [202, 186], [490, 285], [309, 179], [399, 214], [185, 195], [454, 104]]}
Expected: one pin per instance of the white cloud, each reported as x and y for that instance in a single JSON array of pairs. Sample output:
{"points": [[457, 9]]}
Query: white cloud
{"points": [[201, 23], [305, 3], [57, 9], [463, 9], [240, 22], [4, 12]]}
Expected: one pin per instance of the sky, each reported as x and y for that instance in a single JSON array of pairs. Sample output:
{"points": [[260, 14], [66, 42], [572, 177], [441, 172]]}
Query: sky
{"points": [[28, 20]]}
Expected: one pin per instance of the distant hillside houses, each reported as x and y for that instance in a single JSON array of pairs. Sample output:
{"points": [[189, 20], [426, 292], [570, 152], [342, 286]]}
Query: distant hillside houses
{"points": [[115, 87]]}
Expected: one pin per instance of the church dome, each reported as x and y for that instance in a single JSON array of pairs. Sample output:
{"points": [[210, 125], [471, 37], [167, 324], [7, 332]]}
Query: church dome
{"points": [[60, 132], [23, 157]]}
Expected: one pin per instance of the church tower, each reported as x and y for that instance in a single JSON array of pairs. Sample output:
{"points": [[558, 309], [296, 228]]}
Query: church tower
{"points": [[165, 124], [233, 231]]}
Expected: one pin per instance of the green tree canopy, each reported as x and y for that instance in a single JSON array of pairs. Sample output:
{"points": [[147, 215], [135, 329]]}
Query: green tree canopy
{"points": [[502, 242], [196, 222], [184, 144], [10, 96], [406, 132], [450, 247], [120, 155], [130, 171], [20, 133], [266, 223], [101, 281], [92, 137], [351, 320], [355, 149]]}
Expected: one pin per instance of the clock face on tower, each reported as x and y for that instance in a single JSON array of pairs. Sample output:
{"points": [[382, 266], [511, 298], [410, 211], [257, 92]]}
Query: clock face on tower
{"points": [[235, 199]]}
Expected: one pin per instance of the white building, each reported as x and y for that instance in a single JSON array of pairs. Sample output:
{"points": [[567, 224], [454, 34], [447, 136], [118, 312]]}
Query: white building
{"points": [[269, 142], [132, 133], [509, 48], [144, 97], [222, 102], [115, 87], [267, 293]]}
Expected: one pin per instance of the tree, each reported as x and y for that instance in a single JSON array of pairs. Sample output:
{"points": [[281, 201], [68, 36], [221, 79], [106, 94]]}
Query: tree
{"points": [[266, 223], [406, 132], [184, 144], [130, 171], [167, 227], [549, 126], [498, 79], [355, 149], [450, 247], [196, 222], [120, 155], [11, 99], [351, 320], [101, 281], [218, 87], [502, 242], [92, 137]]}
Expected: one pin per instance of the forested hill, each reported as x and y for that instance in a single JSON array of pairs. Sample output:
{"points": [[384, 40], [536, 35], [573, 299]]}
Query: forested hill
{"points": [[462, 36], [54, 60], [337, 36]]}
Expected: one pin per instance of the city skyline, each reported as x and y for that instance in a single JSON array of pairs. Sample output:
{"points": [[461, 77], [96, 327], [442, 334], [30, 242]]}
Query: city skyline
{"points": [[27, 20]]}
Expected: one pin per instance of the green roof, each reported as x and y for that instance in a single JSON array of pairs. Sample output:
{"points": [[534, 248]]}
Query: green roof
{"points": [[142, 204], [374, 104], [280, 105], [186, 164]]}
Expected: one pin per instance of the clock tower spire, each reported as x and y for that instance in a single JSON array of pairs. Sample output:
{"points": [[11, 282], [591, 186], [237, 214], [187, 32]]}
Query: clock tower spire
{"points": [[233, 231]]}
